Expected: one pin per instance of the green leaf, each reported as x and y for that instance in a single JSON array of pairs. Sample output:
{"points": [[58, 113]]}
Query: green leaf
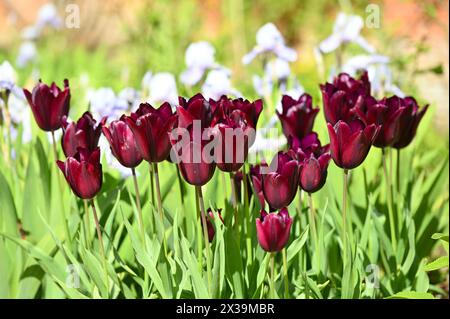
{"points": [[439, 263], [411, 295], [295, 247]]}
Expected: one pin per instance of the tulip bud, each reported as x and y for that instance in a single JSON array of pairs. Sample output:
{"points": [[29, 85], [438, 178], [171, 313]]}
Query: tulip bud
{"points": [[297, 117], [122, 143], [49, 104], [210, 221], [281, 183], [150, 128], [255, 174], [83, 172], [350, 143], [273, 230], [84, 133]]}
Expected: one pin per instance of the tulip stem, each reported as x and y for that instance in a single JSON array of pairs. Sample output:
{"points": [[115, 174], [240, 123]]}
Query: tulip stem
{"points": [[389, 202], [247, 216], [102, 247], [138, 205], [160, 207], [234, 201], [344, 216], [286, 279], [87, 224], [205, 235], [398, 171], [199, 233], [63, 211], [272, 275], [312, 212], [180, 185]]}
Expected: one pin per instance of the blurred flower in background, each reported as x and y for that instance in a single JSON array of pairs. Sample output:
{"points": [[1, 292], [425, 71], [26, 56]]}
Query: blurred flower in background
{"points": [[270, 40], [346, 29], [218, 83], [199, 58], [104, 102], [159, 88], [27, 54]]}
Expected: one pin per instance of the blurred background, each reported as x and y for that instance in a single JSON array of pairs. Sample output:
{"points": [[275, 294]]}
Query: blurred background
{"points": [[117, 42]]}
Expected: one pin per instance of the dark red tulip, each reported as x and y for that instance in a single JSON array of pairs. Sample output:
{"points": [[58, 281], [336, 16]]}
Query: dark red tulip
{"points": [[83, 172], [224, 105], [313, 159], [233, 136], [84, 133], [281, 183], [196, 167], [196, 108], [256, 176], [297, 118], [409, 122], [49, 104], [273, 230], [350, 143], [342, 95], [122, 143], [151, 128], [210, 223]]}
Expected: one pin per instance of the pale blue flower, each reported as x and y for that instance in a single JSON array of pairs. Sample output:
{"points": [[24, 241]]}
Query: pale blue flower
{"points": [[275, 71], [269, 39], [199, 58], [27, 54], [131, 96], [104, 102], [218, 83], [48, 16], [346, 29], [160, 87], [8, 76]]}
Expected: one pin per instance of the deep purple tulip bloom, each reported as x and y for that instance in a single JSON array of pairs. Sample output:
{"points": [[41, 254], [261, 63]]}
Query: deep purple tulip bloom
{"points": [[341, 96], [196, 108], [350, 143], [273, 230], [122, 143], [225, 106], [281, 183], [210, 223], [233, 135], [83, 172], [257, 180], [409, 122], [314, 159], [49, 104], [297, 118], [151, 128], [84, 133]]}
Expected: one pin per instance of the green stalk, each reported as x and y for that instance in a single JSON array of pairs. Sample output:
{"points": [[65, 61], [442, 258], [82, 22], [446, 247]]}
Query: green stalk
{"points": [[102, 247], [234, 202], [312, 212], [398, 171], [199, 233], [63, 211], [272, 277], [160, 207], [286, 278], [247, 216], [344, 216], [389, 201], [87, 224], [138, 205], [205, 237]]}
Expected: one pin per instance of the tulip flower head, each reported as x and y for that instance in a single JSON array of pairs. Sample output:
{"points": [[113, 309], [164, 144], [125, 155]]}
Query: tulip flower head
{"points": [[341, 96], [256, 176], [84, 133], [83, 172], [409, 121], [281, 183], [297, 117], [151, 128], [273, 230], [350, 142], [122, 143], [49, 104], [209, 223]]}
